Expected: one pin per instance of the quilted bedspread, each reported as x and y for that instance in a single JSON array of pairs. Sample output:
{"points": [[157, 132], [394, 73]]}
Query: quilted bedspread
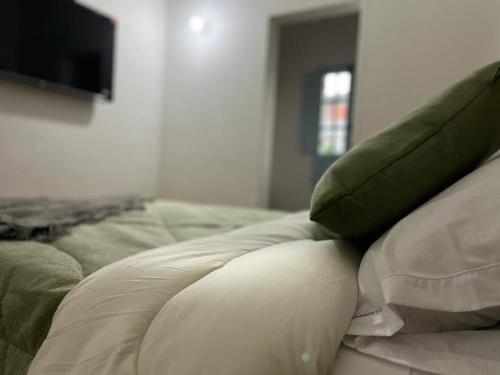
{"points": [[35, 277], [270, 298]]}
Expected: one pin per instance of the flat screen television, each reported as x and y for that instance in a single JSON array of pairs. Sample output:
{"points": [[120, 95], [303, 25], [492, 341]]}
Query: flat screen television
{"points": [[57, 44]]}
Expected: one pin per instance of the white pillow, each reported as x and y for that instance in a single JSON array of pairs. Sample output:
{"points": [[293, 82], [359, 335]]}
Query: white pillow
{"points": [[438, 269]]}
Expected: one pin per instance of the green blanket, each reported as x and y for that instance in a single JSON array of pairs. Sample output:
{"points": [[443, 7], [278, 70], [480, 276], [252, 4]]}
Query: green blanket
{"points": [[35, 277]]}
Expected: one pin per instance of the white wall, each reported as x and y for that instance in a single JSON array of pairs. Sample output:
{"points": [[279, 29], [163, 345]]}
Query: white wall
{"points": [[410, 50], [215, 139], [56, 145], [216, 133]]}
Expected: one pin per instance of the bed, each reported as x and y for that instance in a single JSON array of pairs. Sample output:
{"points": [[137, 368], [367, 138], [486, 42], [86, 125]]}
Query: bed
{"points": [[35, 276], [274, 297], [397, 273]]}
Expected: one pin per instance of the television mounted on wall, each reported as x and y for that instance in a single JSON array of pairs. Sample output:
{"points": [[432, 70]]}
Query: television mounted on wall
{"points": [[57, 44]]}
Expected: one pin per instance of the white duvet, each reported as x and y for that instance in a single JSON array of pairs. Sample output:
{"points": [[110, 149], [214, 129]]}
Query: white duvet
{"points": [[272, 298]]}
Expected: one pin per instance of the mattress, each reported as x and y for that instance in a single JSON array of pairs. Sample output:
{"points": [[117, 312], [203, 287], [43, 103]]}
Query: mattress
{"points": [[352, 362], [446, 353], [35, 277]]}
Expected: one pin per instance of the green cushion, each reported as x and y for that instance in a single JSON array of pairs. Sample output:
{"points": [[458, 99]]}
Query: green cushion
{"points": [[384, 178]]}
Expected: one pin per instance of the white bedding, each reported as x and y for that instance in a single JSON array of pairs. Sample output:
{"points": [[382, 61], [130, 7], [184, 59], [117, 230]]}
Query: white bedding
{"points": [[352, 362], [266, 299], [272, 298], [449, 353]]}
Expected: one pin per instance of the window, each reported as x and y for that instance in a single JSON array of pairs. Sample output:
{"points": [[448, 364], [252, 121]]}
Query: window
{"points": [[335, 106]]}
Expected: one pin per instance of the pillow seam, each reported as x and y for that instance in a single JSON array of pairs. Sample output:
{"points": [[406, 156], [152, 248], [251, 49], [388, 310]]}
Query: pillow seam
{"points": [[496, 77], [447, 277]]}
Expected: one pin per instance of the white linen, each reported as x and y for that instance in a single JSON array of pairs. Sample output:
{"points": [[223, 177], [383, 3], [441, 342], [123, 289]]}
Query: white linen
{"points": [[449, 353], [352, 362], [266, 299], [438, 269]]}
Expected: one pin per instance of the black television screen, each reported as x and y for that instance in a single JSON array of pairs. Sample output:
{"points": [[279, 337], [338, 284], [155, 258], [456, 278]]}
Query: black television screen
{"points": [[57, 44]]}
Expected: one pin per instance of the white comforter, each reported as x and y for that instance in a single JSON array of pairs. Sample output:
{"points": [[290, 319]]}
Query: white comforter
{"points": [[272, 298]]}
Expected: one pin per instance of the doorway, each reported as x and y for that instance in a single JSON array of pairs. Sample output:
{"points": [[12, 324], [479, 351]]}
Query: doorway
{"points": [[313, 106]]}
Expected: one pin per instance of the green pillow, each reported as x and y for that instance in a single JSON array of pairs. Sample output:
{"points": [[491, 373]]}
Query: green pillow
{"points": [[384, 178]]}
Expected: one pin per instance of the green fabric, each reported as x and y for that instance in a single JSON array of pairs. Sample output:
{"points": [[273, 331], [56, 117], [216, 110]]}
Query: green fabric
{"points": [[383, 179], [35, 277]]}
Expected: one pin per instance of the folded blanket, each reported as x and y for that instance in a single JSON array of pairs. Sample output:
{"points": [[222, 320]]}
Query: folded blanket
{"points": [[43, 219]]}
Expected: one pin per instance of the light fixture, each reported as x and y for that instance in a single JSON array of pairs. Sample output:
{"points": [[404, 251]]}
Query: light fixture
{"points": [[197, 24]]}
